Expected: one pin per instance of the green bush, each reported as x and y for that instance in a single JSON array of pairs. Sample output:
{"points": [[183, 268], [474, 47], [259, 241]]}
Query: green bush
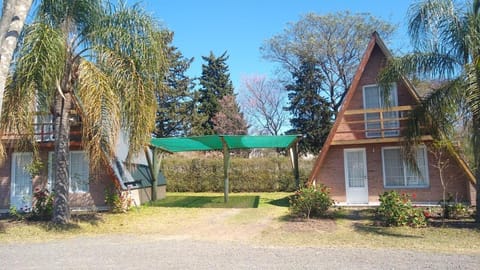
{"points": [[397, 210], [309, 202], [42, 205], [15, 214], [118, 201], [452, 208], [205, 174]]}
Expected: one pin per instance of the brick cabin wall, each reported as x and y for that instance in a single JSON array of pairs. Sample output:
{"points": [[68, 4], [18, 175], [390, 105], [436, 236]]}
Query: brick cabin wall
{"points": [[332, 174], [100, 181]]}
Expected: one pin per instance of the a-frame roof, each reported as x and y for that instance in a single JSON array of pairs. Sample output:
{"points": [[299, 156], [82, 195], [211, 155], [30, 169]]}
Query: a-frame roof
{"points": [[375, 41]]}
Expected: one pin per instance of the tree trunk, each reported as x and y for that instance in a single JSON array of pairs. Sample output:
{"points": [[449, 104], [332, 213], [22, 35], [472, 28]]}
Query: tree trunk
{"points": [[477, 178], [61, 209], [476, 154], [14, 13]]}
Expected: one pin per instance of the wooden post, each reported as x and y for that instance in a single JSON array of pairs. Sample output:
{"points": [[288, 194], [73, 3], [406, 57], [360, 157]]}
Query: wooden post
{"points": [[226, 164], [294, 160], [154, 163]]}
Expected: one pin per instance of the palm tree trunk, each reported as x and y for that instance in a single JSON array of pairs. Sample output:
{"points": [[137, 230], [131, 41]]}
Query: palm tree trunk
{"points": [[14, 13], [476, 154], [477, 178], [61, 209]]}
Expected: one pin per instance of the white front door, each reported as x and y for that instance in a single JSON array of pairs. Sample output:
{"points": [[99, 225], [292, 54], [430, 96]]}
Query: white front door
{"points": [[356, 184], [21, 186]]}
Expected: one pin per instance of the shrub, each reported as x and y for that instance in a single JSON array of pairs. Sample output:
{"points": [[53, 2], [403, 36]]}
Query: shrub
{"points": [[397, 210], [118, 201], [42, 205], [205, 174], [15, 214], [451, 208], [309, 202]]}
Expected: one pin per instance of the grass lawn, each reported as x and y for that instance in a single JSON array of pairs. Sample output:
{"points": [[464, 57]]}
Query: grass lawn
{"points": [[259, 218]]}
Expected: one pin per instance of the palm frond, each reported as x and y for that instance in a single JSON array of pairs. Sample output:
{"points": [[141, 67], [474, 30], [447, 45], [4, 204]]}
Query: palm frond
{"points": [[423, 65], [100, 112], [30, 89], [82, 14], [435, 116], [41, 61], [129, 48]]}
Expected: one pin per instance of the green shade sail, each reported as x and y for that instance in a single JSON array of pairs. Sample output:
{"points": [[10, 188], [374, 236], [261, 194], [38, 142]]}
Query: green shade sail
{"points": [[214, 142], [226, 143]]}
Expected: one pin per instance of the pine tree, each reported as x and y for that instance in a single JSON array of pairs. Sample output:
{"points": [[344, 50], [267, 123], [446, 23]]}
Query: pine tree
{"points": [[215, 84], [176, 99], [312, 116]]}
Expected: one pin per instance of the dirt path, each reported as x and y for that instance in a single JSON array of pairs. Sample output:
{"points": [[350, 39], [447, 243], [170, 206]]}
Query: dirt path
{"points": [[217, 226], [160, 252]]}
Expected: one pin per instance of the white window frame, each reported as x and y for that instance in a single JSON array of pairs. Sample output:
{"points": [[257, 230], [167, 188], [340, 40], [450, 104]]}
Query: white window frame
{"points": [[394, 96], [405, 169], [51, 172]]}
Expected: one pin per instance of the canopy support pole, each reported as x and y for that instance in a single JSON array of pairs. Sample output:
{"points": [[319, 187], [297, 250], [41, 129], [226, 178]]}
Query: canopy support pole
{"points": [[154, 163], [294, 159], [226, 165]]}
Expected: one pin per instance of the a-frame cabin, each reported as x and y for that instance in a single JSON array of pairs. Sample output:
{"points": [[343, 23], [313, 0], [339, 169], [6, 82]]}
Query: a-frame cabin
{"points": [[361, 157]]}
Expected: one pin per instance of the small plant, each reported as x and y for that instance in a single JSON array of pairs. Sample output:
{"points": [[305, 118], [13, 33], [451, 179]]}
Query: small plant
{"points": [[308, 202], [15, 214], [118, 201], [397, 210], [452, 209], [42, 205]]}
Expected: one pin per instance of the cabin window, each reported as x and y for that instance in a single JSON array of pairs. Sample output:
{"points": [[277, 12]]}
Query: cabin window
{"points": [[380, 124], [397, 173], [79, 171]]}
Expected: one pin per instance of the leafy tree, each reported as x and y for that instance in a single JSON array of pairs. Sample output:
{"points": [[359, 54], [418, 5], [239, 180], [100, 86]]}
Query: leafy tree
{"points": [[14, 13], [229, 120], [311, 112], [263, 102], [336, 41], [175, 97], [93, 57], [445, 38], [215, 84]]}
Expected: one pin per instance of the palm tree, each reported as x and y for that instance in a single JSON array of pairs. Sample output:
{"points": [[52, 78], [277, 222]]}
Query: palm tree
{"points": [[446, 40], [93, 57]]}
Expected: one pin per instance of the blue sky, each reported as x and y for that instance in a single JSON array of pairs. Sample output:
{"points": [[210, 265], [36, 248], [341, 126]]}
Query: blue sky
{"points": [[240, 26]]}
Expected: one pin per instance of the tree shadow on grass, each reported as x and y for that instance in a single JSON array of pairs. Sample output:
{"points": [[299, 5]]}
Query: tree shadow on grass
{"points": [[379, 230], [91, 218], [208, 202], [52, 227], [366, 221], [2, 227]]}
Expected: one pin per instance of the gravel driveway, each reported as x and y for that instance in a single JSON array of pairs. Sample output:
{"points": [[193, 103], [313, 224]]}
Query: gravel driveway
{"points": [[160, 252]]}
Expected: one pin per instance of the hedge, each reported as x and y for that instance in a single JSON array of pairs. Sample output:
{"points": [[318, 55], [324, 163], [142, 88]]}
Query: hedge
{"points": [[205, 174]]}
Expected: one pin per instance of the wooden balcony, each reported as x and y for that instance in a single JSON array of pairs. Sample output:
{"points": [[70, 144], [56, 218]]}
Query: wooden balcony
{"points": [[372, 126], [44, 132]]}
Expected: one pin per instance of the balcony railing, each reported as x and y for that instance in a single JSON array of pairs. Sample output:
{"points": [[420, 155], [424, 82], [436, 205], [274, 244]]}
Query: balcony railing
{"points": [[373, 123], [44, 131]]}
